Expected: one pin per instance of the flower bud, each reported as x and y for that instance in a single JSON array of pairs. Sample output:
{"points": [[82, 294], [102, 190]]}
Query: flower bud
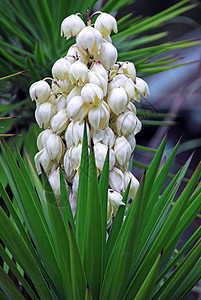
{"points": [[78, 73], [97, 79], [105, 23], [118, 100], [141, 87], [122, 150], [129, 69], [42, 138], [74, 133], [108, 55], [98, 68], [90, 40], [100, 151], [92, 94], [42, 158], [75, 54], [43, 114], [128, 176], [126, 123], [60, 121], [60, 69], [76, 109], [116, 180], [55, 147], [106, 136], [39, 91], [71, 26], [99, 115]]}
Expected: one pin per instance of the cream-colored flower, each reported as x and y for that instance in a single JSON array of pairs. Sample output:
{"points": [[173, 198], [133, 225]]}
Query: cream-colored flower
{"points": [[128, 176], [71, 26], [108, 55], [142, 88], [126, 123], [43, 159], [92, 94], [99, 115], [39, 91], [60, 121], [114, 201], [78, 73], [98, 68], [116, 180], [105, 23], [122, 150], [132, 141], [97, 79], [42, 138], [54, 180], [129, 69], [100, 151], [61, 103], [44, 113], [74, 133], [118, 100], [76, 91], [105, 136], [90, 40], [60, 69], [77, 109], [55, 147], [75, 54]]}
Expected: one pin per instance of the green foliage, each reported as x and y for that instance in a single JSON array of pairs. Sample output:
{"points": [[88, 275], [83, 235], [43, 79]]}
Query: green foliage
{"points": [[64, 259]]}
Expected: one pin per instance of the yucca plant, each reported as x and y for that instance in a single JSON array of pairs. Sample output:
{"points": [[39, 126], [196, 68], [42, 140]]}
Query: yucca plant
{"points": [[53, 257]]}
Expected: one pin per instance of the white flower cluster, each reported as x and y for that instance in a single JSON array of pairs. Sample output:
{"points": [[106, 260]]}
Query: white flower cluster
{"points": [[89, 85]]}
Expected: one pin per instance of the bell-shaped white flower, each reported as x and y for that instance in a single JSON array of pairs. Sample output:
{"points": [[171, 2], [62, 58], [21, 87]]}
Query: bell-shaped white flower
{"points": [[77, 109], [60, 103], [60, 121], [60, 69], [115, 199], [105, 23], [132, 141], [95, 78], [71, 26], [129, 69], [98, 68], [120, 80], [55, 147], [99, 115], [42, 138], [118, 100], [43, 114], [92, 94], [141, 88], [100, 151], [75, 184], [131, 107], [108, 55], [61, 86], [75, 54], [126, 123], [130, 89], [105, 136], [90, 40], [78, 73], [43, 159], [128, 176], [39, 91], [74, 133], [74, 155], [116, 179], [122, 150]]}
